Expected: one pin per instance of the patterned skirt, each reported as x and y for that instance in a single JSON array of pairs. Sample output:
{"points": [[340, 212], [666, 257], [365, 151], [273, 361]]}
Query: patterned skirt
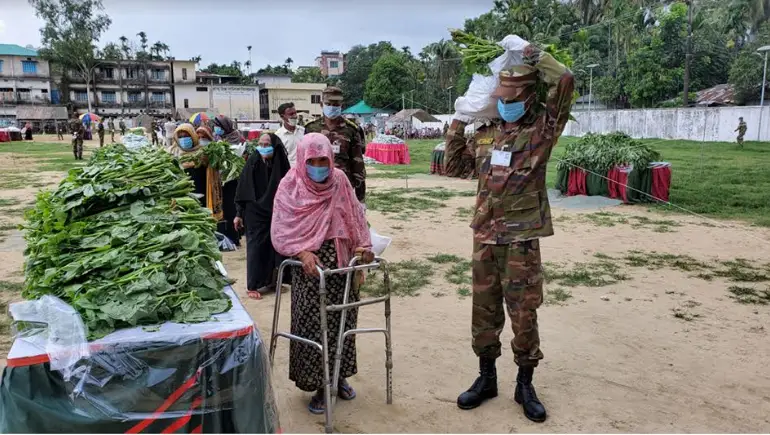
{"points": [[305, 362]]}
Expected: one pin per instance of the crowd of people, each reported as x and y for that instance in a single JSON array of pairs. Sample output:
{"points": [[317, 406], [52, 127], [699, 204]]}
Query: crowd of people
{"points": [[300, 195]]}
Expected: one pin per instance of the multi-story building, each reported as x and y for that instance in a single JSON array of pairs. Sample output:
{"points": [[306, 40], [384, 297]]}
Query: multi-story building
{"points": [[24, 77], [332, 63], [131, 87]]}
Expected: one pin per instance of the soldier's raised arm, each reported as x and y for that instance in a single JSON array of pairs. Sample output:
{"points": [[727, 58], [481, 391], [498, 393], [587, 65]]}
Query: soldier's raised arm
{"points": [[561, 85]]}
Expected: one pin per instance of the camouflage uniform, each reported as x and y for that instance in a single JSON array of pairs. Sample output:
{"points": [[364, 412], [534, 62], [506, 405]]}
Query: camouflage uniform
{"points": [[742, 127], [78, 132], [458, 161], [122, 126], [512, 211], [345, 135], [100, 132], [111, 126]]}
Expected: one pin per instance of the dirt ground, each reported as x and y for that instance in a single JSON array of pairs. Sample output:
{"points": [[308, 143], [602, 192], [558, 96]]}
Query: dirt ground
{"points": [[616, 357]]}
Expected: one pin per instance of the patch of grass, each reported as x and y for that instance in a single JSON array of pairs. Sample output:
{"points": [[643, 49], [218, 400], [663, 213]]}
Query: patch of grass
{"points": [[438, 294], [459, 273], [557, 296], [749, 295], [397, 201], [741, 270], [594, 274], [654, 260], [687, 316], [8, 286], [464, 212], [444, 258], [464, 292], [406, 279], [8, 202], [604, 219]]}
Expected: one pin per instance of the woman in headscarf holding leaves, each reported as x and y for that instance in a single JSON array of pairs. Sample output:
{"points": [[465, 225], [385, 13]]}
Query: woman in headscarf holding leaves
{"points": [[318, 220], [254, 205], [205, 136], [207, 181], [225, 131]]}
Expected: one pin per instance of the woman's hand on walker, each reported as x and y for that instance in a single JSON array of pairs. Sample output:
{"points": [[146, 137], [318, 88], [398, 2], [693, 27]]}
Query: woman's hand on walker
{"points": [[309, 262], [365, 255]]}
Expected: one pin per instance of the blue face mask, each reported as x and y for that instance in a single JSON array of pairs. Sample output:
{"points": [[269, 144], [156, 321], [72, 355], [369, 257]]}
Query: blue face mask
{"points": [[218, 131], [319, 175], [332, 111], [511, 112], [265, 151], [185, 143]]}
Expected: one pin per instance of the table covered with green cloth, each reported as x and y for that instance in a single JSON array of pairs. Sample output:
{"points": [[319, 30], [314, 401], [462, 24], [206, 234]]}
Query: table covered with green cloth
{"points": [[437, 162]]}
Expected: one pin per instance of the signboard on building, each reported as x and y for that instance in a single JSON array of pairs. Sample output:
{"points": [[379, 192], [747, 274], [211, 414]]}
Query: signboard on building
{"points": [[232, 91]]}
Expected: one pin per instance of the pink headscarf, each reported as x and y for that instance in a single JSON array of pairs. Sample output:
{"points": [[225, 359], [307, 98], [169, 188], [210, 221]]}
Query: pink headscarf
{"points": [[306, 213]]}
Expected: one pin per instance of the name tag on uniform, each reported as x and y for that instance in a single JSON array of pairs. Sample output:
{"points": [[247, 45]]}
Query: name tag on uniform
{"points": [[486, 141], [501, 158], [336, 147]]}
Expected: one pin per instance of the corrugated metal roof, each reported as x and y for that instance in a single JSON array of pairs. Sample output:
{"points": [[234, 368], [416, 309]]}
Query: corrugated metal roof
{"points": [[16, 50], [407, 114], [719, 95], [40, 112]]}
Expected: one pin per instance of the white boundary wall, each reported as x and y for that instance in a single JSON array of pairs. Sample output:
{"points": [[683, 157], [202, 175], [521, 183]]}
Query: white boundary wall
{"points": [[706, 124]]}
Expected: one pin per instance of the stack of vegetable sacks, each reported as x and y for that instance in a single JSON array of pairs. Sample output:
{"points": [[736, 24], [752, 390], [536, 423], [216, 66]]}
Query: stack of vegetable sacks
{"points": [[613, 165], [126, 243]]}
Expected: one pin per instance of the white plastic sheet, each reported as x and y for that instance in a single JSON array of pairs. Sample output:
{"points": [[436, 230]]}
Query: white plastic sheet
{"points": [[379, 243], [478, 101], [134, 142], [64, 335]]}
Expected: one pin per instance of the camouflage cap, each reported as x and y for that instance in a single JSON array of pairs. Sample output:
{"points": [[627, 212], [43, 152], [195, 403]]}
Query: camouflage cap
{"points": [[332, 94], [517, 82]]}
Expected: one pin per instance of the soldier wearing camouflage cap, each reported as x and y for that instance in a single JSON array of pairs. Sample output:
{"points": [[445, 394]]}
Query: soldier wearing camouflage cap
{"points": [[345, 138], [512, 214]]}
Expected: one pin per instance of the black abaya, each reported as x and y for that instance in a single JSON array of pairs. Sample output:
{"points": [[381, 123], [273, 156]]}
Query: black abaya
{"points": [[254, 203]]}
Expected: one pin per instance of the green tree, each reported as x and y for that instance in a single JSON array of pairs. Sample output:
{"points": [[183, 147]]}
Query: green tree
{"points": [[308, 75], [71, 29], [361, 60], [386, 83]]}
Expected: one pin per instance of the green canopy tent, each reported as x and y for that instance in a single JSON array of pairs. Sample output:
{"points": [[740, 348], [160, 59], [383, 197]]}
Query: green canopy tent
{"points": [[363, 110]]}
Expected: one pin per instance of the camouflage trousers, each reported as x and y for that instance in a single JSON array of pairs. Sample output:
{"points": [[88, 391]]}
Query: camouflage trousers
{"points": [[77, 148], [101, 140], [509, 275], [112, 136], [740, 139]]}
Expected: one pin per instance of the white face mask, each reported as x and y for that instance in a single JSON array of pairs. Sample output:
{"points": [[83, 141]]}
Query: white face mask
{"points": [[293, 122], [204, 142]]}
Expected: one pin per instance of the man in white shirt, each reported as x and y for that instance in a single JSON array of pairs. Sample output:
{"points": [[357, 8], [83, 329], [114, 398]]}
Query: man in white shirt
{"points": [[290, 133], [170, 127]]}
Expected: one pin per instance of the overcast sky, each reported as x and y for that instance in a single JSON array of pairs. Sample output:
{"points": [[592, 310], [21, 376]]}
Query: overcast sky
{"points": [[220, 30]]}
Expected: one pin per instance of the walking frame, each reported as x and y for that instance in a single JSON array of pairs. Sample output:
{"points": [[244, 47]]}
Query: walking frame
{"points": [[331, 385]]}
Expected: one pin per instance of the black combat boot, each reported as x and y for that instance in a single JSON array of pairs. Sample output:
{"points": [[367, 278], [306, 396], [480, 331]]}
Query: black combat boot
{"points": [[526, 397], [485, 386]]}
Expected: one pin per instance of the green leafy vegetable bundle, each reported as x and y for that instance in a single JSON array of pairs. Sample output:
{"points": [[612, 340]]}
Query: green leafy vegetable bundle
{"points": [[220, 157], [601, 152], [476, 52], [125, 242]]}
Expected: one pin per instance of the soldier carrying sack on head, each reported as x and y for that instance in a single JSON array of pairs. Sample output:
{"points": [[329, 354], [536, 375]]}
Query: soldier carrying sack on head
{"points": [[512, 214], [345, 139]]}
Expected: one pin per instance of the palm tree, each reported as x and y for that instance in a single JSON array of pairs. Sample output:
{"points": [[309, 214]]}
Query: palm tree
{"points": [[288, 62], [143, 40], [197, 59]]}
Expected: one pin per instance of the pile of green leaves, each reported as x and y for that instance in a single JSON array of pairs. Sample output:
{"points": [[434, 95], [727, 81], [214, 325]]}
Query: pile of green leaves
{"points": [[220, 157], [125, 242], [601, 152]]}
